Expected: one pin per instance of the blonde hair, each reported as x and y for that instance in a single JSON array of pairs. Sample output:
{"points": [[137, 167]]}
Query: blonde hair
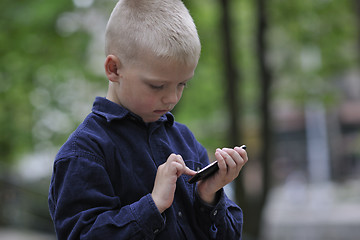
{"points": [[163, 27]]}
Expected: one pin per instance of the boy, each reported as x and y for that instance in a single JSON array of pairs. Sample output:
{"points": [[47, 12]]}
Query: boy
{"points": [[123, 174]]}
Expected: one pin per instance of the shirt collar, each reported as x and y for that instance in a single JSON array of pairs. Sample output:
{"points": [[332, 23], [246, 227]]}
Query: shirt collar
{"points": [[112, 111]]}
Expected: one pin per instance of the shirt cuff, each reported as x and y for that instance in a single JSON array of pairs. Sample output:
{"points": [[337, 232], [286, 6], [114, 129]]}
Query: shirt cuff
{"points": [[148, 216], [211, 215], [211, 212]]}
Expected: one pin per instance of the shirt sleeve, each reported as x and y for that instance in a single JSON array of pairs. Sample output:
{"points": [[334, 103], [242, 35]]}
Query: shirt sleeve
{"points": [[83, 205], [222, 221]]}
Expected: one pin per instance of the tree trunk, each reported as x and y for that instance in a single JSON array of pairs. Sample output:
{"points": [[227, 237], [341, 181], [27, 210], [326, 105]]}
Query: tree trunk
{"points": [[252, 209], [231, 96], [231, 76], [357, 9], [265, 79]]}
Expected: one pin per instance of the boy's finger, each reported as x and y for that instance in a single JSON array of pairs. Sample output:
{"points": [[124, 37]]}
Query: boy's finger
{"points": [[221, 160], [190, 172], [229, 156], [181, 168], [186, 170], [242, 151]]}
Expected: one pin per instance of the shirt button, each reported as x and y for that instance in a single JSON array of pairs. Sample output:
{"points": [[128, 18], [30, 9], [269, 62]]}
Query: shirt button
{"points": [[180, 214], [215, 212]]}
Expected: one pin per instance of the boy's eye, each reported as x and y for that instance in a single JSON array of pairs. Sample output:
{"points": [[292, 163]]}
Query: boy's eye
{"points": [[183, 84], [156, 87]]}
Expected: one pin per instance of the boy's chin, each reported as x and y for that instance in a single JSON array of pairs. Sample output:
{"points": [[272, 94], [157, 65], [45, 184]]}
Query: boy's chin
{"points": [[151, 119]]}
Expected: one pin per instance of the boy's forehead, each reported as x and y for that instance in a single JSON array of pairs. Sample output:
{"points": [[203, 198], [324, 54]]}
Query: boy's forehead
{"points": [[165, 80], [163, 70]]}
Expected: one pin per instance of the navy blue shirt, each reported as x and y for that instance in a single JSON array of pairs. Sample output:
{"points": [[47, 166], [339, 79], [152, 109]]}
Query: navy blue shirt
{"points": [[104, 174]]}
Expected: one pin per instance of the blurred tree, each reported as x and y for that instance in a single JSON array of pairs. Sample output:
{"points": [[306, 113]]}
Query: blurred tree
{"points": [[311, 42], [231, 77], [357, 9], [232, 82], [265, 79], [41, 49], [38, 50]]}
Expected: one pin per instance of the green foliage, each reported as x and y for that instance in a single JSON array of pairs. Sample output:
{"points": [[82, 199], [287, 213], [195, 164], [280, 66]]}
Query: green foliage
{"points": [[44, 63], [311, 42], [30, 42]]}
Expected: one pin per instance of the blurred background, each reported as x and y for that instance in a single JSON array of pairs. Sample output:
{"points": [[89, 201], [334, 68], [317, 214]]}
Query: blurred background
{"points": [[280, 76]]}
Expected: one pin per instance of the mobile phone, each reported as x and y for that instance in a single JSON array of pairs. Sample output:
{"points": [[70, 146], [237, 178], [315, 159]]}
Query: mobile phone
{"points": [[207, 171]]}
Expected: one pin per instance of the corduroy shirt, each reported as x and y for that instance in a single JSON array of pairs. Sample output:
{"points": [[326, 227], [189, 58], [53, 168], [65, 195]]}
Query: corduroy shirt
{"points": [[104, 174]]}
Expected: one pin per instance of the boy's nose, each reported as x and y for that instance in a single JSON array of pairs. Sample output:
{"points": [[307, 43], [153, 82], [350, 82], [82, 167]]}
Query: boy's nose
{"points": [[171, 97]]}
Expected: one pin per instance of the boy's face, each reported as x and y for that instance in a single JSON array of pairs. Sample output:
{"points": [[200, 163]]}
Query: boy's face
{"points": [[151, 87]]}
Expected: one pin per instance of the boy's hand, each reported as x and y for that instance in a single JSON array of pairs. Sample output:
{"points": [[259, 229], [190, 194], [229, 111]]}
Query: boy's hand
{"points": [[230, 162], [165, 181]]}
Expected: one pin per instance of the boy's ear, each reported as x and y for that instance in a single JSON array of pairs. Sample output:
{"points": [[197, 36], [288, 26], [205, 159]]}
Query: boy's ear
{"points": [[112, 66]]}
